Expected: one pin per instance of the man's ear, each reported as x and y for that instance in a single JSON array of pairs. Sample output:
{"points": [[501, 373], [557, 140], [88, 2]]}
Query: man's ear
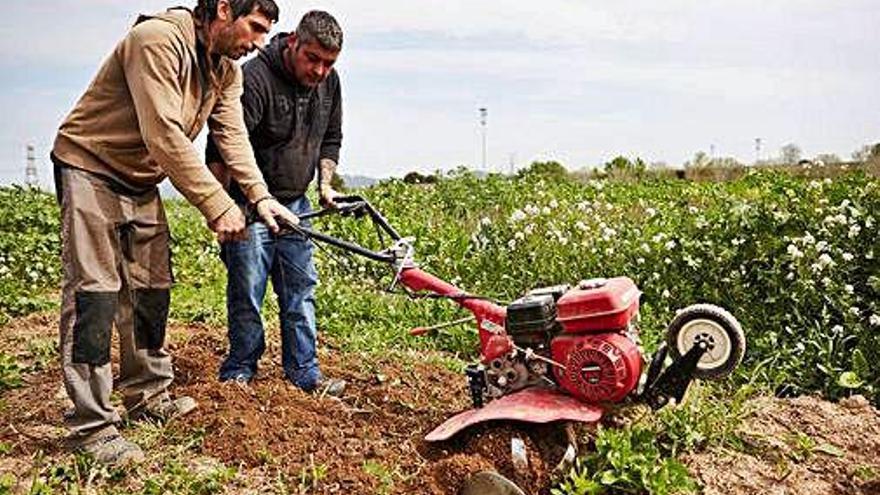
{"points": [[224, 11]]}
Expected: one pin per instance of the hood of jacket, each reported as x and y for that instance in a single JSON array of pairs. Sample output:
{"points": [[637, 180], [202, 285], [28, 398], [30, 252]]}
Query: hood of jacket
{"points": [[273, 56]]}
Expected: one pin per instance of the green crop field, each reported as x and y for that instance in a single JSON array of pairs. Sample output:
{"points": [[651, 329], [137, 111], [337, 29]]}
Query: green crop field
{"points": [[794, 259]]}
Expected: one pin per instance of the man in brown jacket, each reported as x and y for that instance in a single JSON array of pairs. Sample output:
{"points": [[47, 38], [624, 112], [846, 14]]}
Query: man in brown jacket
{"points": [[172, 74]]}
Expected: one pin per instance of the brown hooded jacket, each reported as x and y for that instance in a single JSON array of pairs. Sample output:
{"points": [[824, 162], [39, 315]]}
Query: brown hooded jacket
{"points": [[150, 99]]}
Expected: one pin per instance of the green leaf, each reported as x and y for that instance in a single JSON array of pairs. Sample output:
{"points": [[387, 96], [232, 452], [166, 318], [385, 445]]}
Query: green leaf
{"points": [[608, 478], [832, 450], [860, 363], [849, 379]]}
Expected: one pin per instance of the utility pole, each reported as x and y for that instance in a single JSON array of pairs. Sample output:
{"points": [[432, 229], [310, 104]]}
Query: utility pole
{"points": [[512, 162], [30, 170], [484, 115], [757, 150]]}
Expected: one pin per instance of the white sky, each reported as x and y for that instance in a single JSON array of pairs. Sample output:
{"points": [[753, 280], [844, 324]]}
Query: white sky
{"points": [[574, 80]]}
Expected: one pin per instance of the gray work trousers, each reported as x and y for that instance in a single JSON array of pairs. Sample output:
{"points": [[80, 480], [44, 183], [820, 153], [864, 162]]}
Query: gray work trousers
{"points": [[117, 269]]}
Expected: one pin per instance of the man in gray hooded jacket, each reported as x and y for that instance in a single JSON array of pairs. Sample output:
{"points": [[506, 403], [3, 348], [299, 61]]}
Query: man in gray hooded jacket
{"points": [[293, 112]]}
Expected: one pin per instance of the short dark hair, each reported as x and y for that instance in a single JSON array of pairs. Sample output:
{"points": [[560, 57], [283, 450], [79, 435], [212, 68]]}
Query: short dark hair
{"points": [[206, 10], [320, 26]]}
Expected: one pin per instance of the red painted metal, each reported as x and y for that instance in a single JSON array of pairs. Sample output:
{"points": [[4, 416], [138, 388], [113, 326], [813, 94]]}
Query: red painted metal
{"points": [[598, 367], [608, 307], [533, 405], [490, 316]]}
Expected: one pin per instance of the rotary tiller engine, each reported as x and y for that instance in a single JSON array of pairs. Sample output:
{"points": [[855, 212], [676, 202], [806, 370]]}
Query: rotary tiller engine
{"points": [[561, 352]]}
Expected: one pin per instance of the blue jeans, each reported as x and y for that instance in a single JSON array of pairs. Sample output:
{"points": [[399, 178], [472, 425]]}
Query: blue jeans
{"points": [[288, 259]]}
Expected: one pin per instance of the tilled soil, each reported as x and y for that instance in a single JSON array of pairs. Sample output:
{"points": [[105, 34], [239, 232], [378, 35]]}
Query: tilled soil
{"points": [[803, 445], [389, 405], [371, 440]]}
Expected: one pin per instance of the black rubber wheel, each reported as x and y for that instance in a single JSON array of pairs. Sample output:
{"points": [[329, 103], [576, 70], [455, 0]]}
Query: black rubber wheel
{"points": [[714, 326]]}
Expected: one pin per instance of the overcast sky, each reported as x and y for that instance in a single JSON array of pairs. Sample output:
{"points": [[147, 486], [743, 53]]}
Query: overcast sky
{"points": [[573, 80]]}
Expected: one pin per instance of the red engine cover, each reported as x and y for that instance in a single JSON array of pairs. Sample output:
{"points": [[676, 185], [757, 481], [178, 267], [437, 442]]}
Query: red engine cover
{"points": [[598, 305], [598, 367]]}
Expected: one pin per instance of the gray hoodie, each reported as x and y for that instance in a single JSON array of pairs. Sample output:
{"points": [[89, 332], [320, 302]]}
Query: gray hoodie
{"points": [[291, 127]]}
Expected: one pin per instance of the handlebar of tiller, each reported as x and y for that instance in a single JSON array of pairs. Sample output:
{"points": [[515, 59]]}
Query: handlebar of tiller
{"points": [[347, 205]]}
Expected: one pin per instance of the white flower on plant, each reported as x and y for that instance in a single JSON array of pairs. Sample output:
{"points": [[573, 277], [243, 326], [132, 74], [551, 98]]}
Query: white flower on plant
{"points": [[517, 215], [563, 241], [737, 241], [794, 252], [609, 251], [821, 245], [545, 210], [808, 238], [693, 210], [847, 256], [826, 281], [668, 261], [874, 320], [511, 244], [583, 205], [519, 236], [655, 275], [640, 261], [553, 203], [854, 231], [529, 229], [581, 226], [839, 218], [837, 330], [849, 289], [790, 276], [650, 212], [532, 210], [609, 206], [485, 221], [645, 247], [855, 311], [670, 244], [665, 293], [608, 233], [825, 260], [658, 237]]}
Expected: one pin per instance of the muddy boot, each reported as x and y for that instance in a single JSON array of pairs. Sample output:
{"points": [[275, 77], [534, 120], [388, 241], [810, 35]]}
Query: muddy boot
{"points": [[165, 408], [333, 387], [113, 450]]}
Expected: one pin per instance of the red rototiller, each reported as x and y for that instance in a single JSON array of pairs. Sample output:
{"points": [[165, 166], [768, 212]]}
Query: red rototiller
{"points": [[561, 352]]}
